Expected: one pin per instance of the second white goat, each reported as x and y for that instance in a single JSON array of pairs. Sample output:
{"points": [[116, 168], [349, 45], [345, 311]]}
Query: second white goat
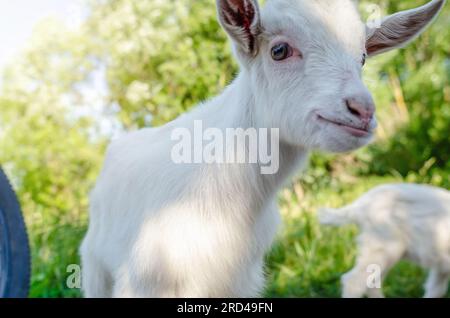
{"points": [[397, 221]]}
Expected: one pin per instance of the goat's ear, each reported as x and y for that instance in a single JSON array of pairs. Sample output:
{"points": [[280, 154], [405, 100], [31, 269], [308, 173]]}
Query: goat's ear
{"points": [[399, 29], [241, 19]]}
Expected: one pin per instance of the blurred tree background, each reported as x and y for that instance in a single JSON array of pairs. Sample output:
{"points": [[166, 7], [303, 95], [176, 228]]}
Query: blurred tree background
{"points": [[136, 63]]}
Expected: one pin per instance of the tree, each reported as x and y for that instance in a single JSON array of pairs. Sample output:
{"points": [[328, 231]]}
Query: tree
{"points": [[48, 150]]}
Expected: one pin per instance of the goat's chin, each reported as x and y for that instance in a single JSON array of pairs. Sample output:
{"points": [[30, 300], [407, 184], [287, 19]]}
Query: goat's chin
{"points": [[341, 142]]}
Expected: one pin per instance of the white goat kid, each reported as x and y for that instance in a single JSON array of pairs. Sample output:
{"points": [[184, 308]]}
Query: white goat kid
{"points": [[397, 221], [160, 229]]}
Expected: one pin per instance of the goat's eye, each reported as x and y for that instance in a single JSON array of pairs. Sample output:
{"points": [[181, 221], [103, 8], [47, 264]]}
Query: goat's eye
{"points": [[281, 52], [363, 61]]}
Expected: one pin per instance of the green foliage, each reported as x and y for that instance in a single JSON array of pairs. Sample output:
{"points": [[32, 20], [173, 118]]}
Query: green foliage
{"points": [[420, 79], [49, 155], [161, 58]]}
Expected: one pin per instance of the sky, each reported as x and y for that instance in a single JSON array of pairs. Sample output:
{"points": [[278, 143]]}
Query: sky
{"points": [[18, 18]]}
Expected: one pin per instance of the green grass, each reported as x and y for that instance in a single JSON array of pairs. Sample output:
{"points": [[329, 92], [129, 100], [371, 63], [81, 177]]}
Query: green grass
{"points": [[307, 259]]}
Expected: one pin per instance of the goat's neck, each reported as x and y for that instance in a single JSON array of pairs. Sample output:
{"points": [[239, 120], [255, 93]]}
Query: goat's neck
{"points": [[237, 109]]}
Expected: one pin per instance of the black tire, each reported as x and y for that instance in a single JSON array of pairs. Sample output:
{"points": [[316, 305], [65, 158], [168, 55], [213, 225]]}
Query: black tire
{"points": [[14, 248]]}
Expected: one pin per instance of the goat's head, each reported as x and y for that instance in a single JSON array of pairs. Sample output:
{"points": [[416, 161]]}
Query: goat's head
{"points": [[304, 60]]}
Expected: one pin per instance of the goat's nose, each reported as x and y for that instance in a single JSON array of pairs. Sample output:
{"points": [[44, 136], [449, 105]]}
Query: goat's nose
{"points": [[363, 109]]}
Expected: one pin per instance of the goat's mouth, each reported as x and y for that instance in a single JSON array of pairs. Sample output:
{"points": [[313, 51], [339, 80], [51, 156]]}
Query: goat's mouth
{"points": [[359, 131]]}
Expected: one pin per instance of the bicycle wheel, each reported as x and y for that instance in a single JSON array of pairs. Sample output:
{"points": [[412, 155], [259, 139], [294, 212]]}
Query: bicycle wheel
{"points": [[14, 248]]}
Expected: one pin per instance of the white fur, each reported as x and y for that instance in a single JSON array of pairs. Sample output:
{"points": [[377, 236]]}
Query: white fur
{"points": [[158, 229], [398, 221]]}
